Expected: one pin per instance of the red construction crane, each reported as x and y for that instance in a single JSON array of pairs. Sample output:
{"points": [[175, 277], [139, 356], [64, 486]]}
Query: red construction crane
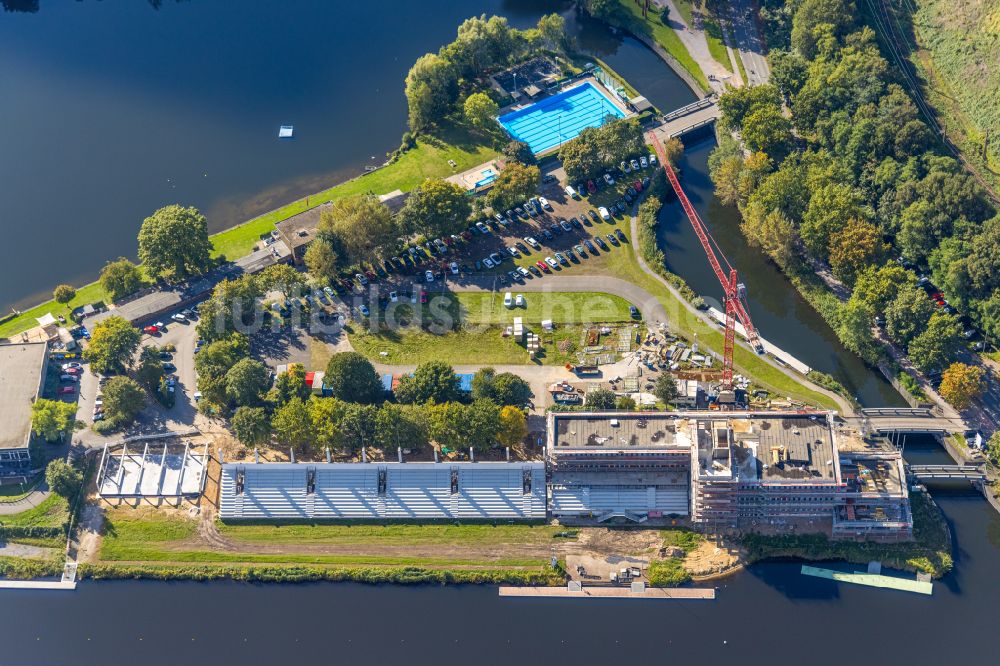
{"points": [[734, 291]]}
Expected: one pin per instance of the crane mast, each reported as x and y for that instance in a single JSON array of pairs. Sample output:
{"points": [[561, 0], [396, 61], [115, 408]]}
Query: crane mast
{"points": [[734, 291]]}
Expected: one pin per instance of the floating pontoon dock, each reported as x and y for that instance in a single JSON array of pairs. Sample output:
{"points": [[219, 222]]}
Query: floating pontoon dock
{"points": [[611, 592], [871, 580]]}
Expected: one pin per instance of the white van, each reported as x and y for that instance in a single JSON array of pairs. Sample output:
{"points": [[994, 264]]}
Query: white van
{"points": [[571, 193]]}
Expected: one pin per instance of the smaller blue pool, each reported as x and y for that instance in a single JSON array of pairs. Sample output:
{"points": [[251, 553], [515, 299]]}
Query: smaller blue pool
{"points": [[487, 176], [555, 120]]}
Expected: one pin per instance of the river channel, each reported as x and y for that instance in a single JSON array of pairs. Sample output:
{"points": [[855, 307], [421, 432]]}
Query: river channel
{"points": [[185, 91]]}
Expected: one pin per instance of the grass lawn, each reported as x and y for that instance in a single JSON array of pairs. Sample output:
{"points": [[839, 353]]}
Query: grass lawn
{"points": [[52, 512], [560, 307], [429, 159], [662, 35], [713, 33], [17, 491], [158, 537]]}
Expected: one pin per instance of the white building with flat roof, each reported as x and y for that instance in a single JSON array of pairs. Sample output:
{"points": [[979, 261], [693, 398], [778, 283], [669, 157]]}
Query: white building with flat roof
{"points": [[22, 377]]}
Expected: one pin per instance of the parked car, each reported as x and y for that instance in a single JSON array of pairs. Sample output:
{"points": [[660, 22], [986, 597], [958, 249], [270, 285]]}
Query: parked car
{"points": [[642, 162], [545, 202], [608, 179], [66, 390], [652, 159], [590, 246], [532, 242], [633, 312], [572, 256], [429, 276], [73, 364], [393, 297], [565, 226], [571, 193], [487, 262], [170, 367], [605, 215], [508, 300], [519, 301], [591, 187], [496, 257], [523, 271], [364, 311], [579, 250], [513, 252], [635, 165], [547, 234], [534, 270], [150, 330], [454, 267], [624, 166], [600, 242], [593, 215], [612, 239], [561, 258], [179, 317], [73, 371], [549, 178], [68, 378], [551, 262], [621, 235], [575, 222], [544, 266], [362, 280], [482, 228]]}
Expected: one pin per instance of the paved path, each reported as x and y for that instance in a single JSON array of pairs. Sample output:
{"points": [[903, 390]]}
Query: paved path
{"points": [[693, 38], [33, 499], [742, 31]]}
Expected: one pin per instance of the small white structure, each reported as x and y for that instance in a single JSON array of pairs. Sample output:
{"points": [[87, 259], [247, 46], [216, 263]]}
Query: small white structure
{"points": [[152, 470], [286, 131]]}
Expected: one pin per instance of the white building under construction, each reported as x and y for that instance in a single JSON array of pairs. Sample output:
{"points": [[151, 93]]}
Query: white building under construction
{"points": [[725, 471]]}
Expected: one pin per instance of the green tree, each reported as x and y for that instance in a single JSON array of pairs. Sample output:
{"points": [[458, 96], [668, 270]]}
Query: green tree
{"points": [[53, 419], [173, 243], [123, 400], [434, 380], [292, 424], [674, 150], [283, 278], [765, 129], [120, 278], [552, 28], [252, 425], [519, 151], [815, 18], [737, 103], [363, 226], [602, 9], [907, 315], [511, 390], [876, 287], [436, 208], [854, 328], [830, 208], [665, 388], [937, 344], [855, 247], [993, 448], [213, 362], [446, 424], [400, 426], [113, 342], [352, 378], [961, 384], [515, 184], [513, 426], [150, 370], [235, 305], [431, 87], [322, 260], [246, 382], [481, 111], [600, 399], [771, 231], [290, 384], [482, 384], [625, 403], [63, 479], [358, 425], [327, 416], [64, 293], [481, 423]]}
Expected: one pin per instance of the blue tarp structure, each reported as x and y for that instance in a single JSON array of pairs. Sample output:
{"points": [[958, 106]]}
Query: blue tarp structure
{"points": [[387, 383], [465, 382]]}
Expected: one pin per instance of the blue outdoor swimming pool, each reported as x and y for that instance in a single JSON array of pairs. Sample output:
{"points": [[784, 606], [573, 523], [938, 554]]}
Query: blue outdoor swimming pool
{"points": [[559, 118]]}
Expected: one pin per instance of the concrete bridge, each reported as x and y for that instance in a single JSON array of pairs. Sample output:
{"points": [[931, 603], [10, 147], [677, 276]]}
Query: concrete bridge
{"points": [[948, 472], [898, 420], [689, 118]]}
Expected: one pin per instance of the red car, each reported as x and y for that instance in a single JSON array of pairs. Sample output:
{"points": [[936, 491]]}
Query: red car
{"points": [[467, 235], [67, 390], [423, 296], [637, 185], [591, 187], [151, 330], [544, 266], [73, 371]]}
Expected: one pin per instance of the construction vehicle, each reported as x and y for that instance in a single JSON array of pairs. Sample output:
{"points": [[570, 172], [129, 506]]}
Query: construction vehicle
{"points": [[733, 290]]}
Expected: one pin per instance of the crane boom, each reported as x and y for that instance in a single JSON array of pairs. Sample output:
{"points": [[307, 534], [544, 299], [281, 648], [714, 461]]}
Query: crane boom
{"points": [[731, 287]]}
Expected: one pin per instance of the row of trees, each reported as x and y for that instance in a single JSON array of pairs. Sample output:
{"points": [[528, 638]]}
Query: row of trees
{"points": [[429, 405], [438, 82], [862, 180]]}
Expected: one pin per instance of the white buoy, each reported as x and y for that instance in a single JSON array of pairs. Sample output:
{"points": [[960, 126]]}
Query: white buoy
{"points": [[285, 131]]}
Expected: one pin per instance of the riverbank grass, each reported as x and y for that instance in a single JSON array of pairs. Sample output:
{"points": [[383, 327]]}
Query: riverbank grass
{"points": [[929, 552]]}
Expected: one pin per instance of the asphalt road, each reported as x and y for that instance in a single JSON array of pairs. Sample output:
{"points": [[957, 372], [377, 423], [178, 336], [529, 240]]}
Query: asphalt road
{"points": [[747, 40]]}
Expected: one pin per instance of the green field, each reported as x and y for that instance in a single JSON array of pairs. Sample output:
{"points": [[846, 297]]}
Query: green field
{"points": [[560, 307], [957, 57], [155, 537], [713, 33], [52, 512], [428, 159]]}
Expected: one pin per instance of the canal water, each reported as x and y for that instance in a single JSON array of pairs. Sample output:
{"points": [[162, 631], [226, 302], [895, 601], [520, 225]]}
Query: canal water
{"points": [[110, 100]]}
